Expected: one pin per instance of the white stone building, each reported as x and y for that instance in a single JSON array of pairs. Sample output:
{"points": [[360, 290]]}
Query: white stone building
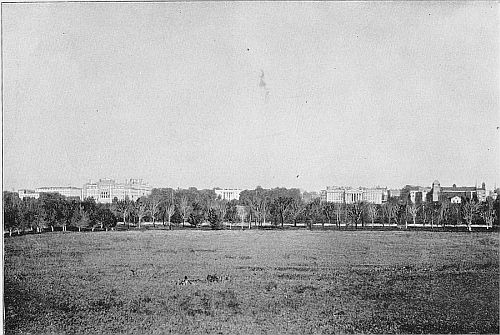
{"points": [[419, 193], [67, 191], [25, 193], [105, 190], [348, 195], [228, 193]]}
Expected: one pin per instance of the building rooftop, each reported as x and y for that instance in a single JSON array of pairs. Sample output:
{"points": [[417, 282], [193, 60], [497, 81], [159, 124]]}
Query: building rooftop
{"points": [[459, 189], [59, 187]]}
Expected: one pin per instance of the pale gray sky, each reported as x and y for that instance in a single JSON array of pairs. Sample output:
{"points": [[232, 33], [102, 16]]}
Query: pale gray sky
{"points": [[353, 93]]}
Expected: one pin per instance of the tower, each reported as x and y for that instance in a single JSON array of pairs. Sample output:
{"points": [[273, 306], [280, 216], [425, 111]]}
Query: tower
{"points": [[436, 190]]}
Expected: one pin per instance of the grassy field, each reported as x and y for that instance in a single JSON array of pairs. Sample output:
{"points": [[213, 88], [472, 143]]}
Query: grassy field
{"points": [[294, 282]]}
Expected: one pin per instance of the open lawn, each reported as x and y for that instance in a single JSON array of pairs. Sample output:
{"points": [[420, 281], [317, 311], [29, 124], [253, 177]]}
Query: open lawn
{"points": [[274, 282]]}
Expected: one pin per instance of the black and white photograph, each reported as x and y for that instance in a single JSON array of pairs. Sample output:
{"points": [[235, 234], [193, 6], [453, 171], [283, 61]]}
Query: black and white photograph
{"points": [[250, 167]]}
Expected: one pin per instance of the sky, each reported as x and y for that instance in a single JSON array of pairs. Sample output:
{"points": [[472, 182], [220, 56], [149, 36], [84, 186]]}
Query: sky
{"points": [[240, 94]]}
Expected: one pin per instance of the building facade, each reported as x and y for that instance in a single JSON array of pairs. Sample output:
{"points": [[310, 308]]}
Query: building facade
{"points": [[310, 196], [415, 194], [67, 191], [419, 194], [228, 193], [25, 193], [440, 193], [105, 190], [394, 193], [348, 195]]}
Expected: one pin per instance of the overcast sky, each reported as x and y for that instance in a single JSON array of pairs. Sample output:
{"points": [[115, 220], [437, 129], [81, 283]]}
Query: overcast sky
{"points": [[294, 94]]}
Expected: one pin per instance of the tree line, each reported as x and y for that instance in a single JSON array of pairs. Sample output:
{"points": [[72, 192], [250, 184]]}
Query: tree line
{"points": [[255, 208]]}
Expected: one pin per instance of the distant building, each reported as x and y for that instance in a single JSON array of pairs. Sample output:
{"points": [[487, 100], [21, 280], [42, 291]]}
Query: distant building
{"points": [[439, 193], [310, 196], [493, 194], [352, 195], [394, 193], [24, 193], [415, 193], [67, 191], [105, 190], [419, 194], [482, 194], [348, 195], [333, 194], [228, 193], [375, 195]]}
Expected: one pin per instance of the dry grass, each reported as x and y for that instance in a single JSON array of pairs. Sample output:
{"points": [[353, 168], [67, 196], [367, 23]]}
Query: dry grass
{"points": [[278, 282]]}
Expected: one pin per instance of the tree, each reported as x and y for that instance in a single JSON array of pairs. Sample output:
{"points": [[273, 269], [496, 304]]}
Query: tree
{"points": [[40, 221], [372, 212], [423, 210], [262, 198], [413, 211], [105, 217], [431, 212], [257, 201], [338, 213], [232, 212], [169, 211], [263, 208], [84, 222], [90, 207], [488, 213], [67, 209], [390, 210], [184, 209], [242, 212], [132, 212], [122, 208], [153, 206], [221, 207], [214, 218], [470, 209], [167, 201], [207, 199], [329, 211], [251, 209], [355, 213], [52, 204], [81, 218], [197, 214], [456, 209], [142, 209], [297, 210], [11, 209], [312, 212], [280, 200], [496, 208], [443, 212], [280, 205], [402, 214], [28, 213]]}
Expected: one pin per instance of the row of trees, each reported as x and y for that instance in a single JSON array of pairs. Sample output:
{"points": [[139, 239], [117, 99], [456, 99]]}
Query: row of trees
{"points": [[287, 206], [256, 208], [53, 210]]}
